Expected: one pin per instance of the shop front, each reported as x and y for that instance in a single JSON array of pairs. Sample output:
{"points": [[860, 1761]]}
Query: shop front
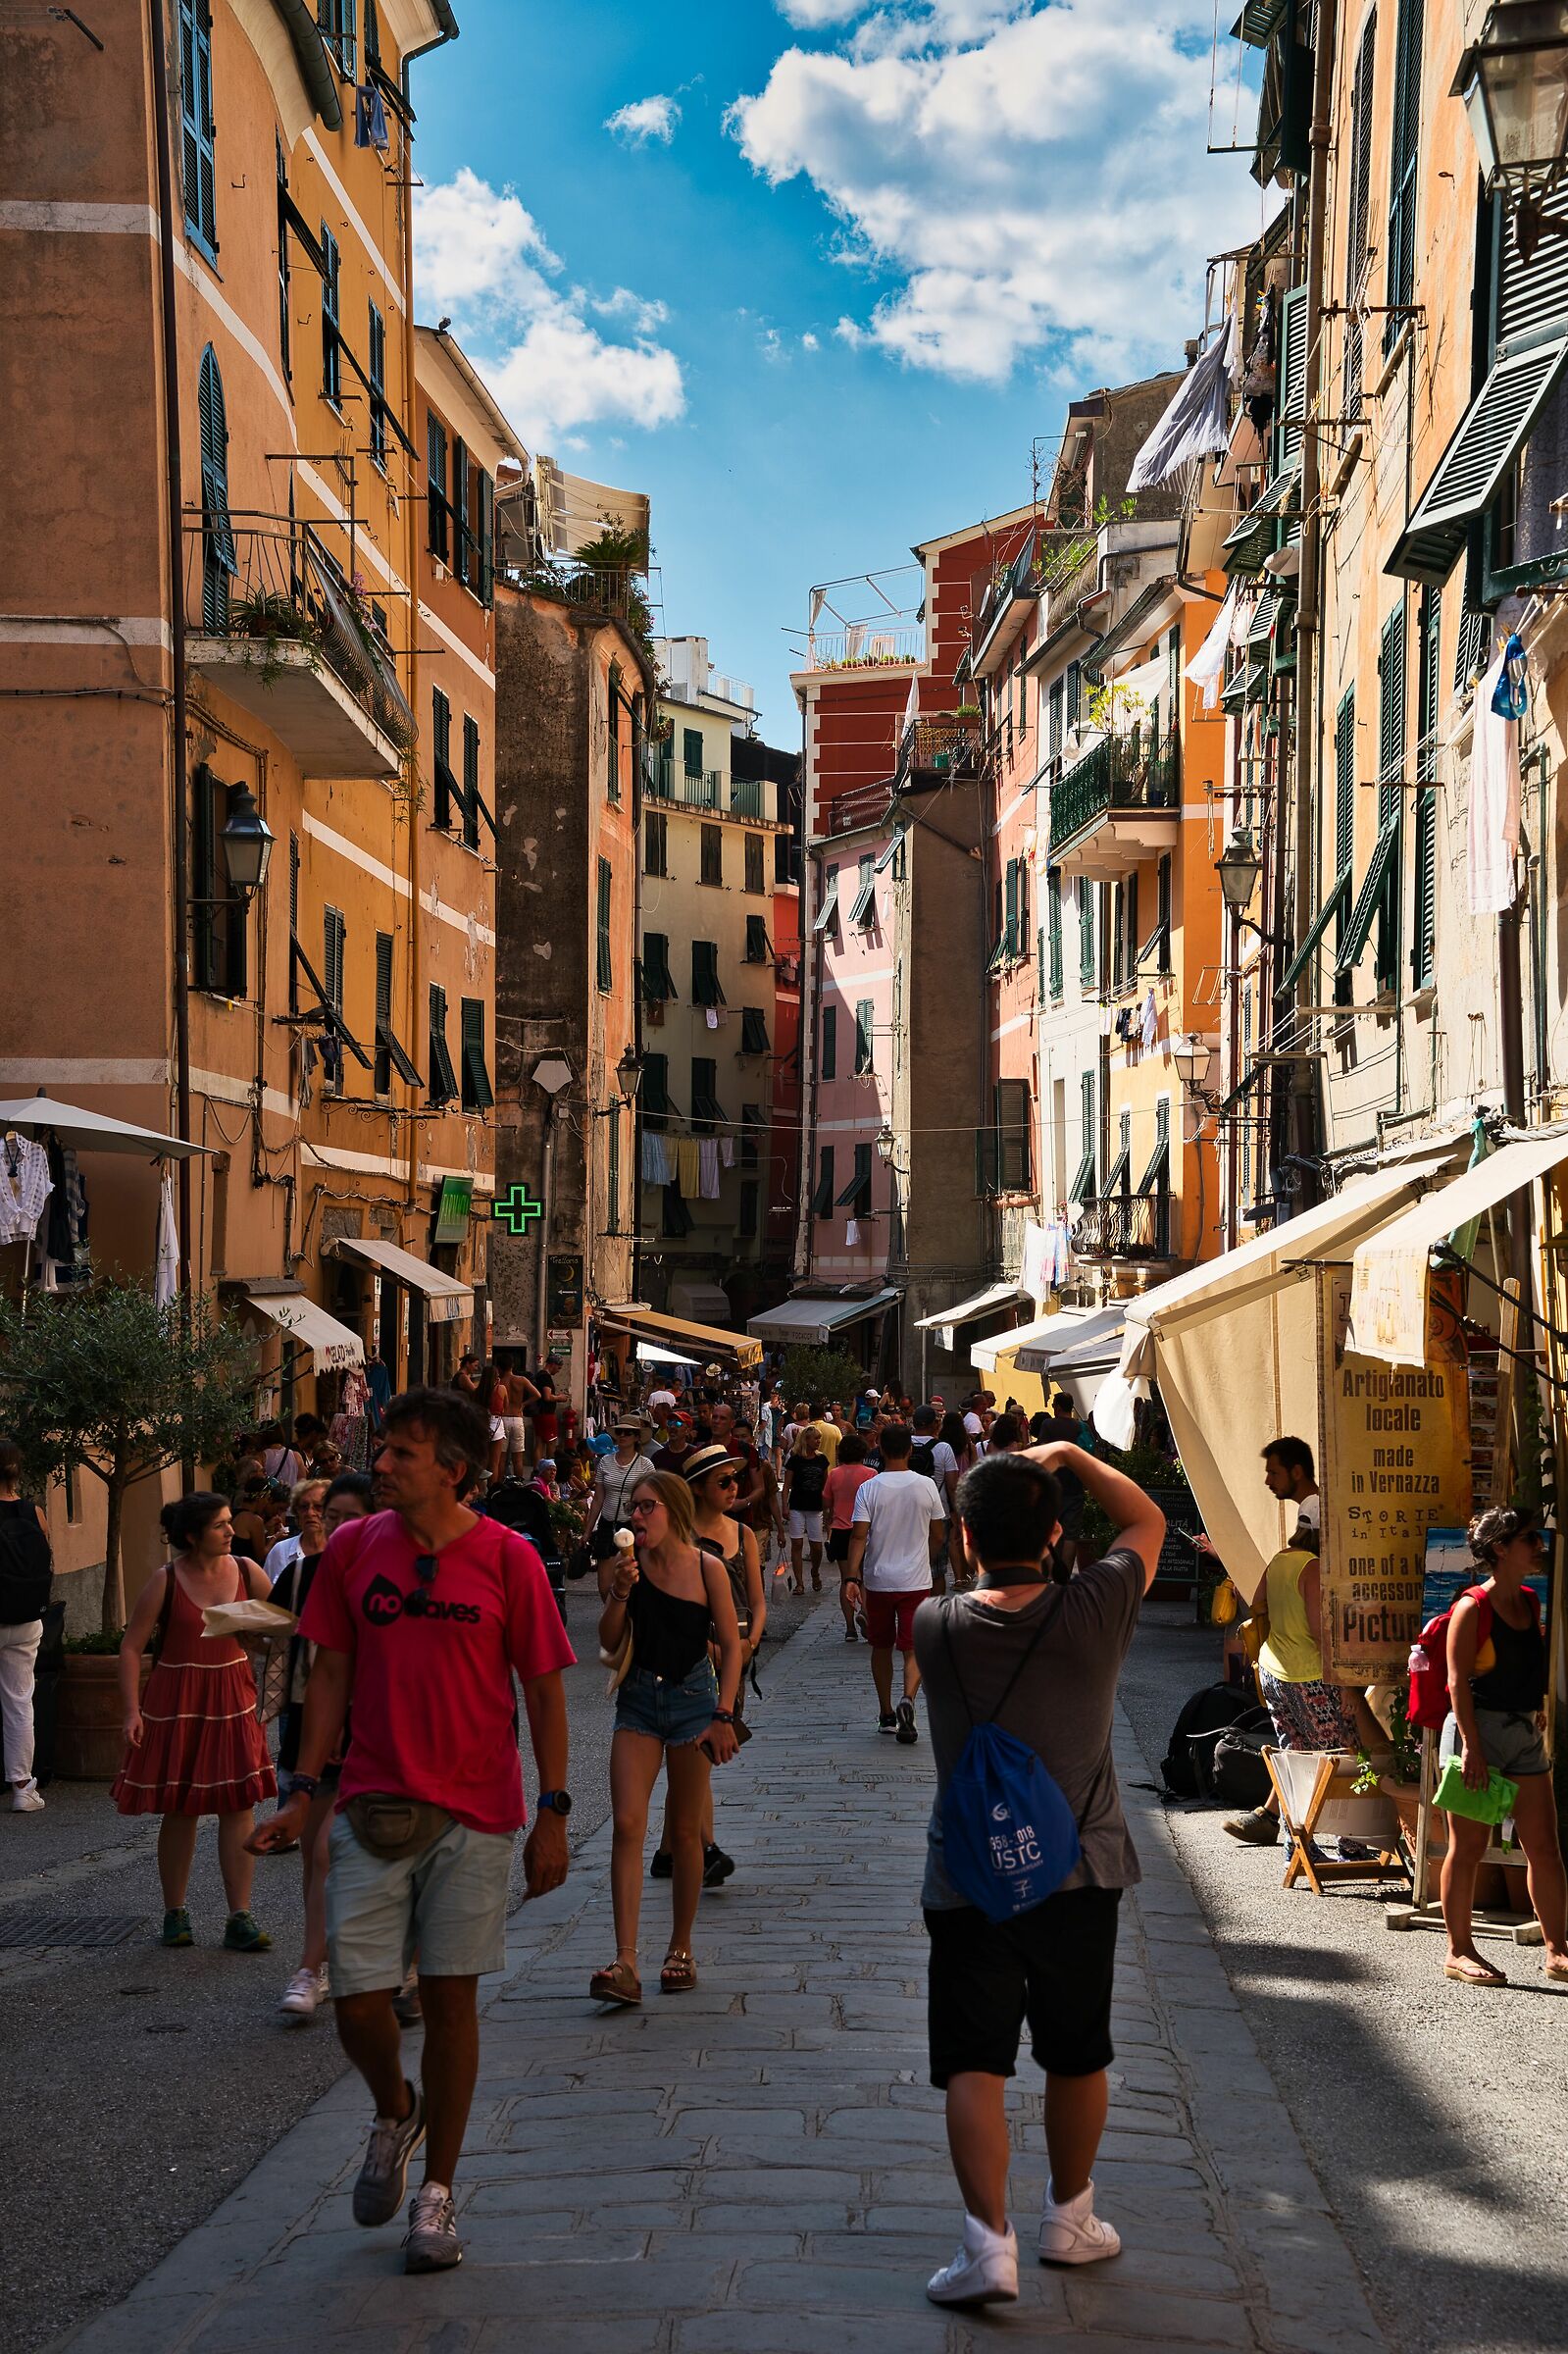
{"points": [[417, 1314]]}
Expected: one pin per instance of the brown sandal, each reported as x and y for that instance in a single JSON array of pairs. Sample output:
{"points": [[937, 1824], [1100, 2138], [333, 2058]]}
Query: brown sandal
{"points": [[1486, 1975], [680, 1973], [618, 1985]]}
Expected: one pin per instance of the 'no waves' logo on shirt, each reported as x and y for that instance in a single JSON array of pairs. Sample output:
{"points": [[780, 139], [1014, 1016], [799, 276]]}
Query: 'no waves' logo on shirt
{"points": [[383, 1604]]}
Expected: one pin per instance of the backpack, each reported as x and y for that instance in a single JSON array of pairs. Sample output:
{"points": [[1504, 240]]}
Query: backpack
{"points": [[1210, 1710], [1429, 1657], [1009, 1837], [1228, 1764], [923, 1458], [26, 1566]]}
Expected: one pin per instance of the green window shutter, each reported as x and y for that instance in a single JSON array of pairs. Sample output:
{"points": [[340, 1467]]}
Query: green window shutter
{"points": [[1393, 703], [378, 376], [197, 131], [755, 879], [477, 1091], [335, 935], [1356, 253], [691, 750], [1471, 470], [705, 985], [1157, 1176], [487, 516], [856, 1195], [758, 946], [461, 547], [1423, 911], [1083, 1187], [382, 1080], [445, 793], [1053, 909], [219, 565], [1085, 933], [1369, 901], [1010, 920], [1014, 1111], [1470, 655], [822, 1199], [471, 781], [1345, 784], [203, 858], [1334, 906], [435, 508], [830, 1042], [864, 1010], [605, 957], [1292, 381], [753, 1031], [331, 352], [1403, 156], [655, 1095]]}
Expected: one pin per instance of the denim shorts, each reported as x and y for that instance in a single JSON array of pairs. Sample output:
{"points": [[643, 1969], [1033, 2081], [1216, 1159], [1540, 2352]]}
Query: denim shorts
{"points": [[675, 1714], [447, 1904]]}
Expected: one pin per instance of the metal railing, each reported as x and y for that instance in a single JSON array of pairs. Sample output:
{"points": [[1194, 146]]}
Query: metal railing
{"points": [[861, 805], [684, 789], [949, 747], [270, 583], [1121, 772], [1125, 1226], [864, 648]]}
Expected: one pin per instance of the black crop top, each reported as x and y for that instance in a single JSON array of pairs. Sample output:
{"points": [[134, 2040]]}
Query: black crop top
{"points": [[668, 1634]]}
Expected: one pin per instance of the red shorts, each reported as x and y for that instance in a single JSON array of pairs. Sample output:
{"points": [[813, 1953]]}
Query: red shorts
{"points": [[891, 1618]]}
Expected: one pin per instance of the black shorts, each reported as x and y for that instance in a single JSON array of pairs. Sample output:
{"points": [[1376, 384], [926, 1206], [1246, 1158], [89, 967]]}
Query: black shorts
{"points": [[1053, 1966], [838, 1545]]}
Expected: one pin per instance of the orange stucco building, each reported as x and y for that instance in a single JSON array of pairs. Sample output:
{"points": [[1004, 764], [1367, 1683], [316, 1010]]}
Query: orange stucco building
{"points": [[327, 586]]}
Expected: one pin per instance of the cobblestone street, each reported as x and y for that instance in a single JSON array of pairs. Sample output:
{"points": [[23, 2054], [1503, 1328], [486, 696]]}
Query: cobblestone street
{"points": [[762, 2164]]}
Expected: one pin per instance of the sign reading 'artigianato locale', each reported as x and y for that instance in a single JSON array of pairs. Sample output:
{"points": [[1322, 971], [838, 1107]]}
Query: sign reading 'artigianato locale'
{"points": [[1394, 1461]]}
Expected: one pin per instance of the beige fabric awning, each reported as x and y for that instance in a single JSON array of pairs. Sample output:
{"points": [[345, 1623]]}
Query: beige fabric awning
{"points": [[946, 1320], [1233, 1344], [705, 1340], [446, 1300], [1389, 1270], [332, 1344]]}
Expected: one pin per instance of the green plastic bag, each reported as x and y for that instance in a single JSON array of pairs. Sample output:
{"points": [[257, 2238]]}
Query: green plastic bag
{"points": [[1493, 1804]]}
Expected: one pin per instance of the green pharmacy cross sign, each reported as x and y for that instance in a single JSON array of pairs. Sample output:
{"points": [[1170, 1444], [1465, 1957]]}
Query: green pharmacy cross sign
{"points": [[517, 1210]]}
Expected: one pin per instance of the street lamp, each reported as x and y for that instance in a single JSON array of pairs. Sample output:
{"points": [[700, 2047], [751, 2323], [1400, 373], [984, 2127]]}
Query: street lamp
{"points": [[1191, 1055], [885, 1142], [1239, 866], [1514, 84], [247, 840], [628, 1076]]}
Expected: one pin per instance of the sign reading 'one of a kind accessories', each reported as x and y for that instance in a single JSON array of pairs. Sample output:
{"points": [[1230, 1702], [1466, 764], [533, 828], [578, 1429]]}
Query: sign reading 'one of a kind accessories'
{"points": [[1393, 1461]]}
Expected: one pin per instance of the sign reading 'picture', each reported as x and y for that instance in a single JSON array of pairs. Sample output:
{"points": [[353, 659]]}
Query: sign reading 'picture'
{"points": [[1393, 1461]]}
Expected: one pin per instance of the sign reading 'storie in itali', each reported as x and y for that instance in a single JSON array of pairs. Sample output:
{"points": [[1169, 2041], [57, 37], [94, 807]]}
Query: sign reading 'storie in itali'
{"points": [[1393, 1461]]}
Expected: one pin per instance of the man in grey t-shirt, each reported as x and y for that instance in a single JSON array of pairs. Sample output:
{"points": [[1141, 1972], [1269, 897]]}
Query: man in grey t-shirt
{"points": [[1042, 1661]]}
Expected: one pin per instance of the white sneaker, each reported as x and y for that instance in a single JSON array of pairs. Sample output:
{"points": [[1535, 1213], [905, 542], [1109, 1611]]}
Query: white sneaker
{"points": [[301, 1995], [26, 1798], [1073, 2234], [984, 2271], [430, 2243]]}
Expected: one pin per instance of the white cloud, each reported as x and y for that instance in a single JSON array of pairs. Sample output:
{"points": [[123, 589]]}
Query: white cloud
{"points": [[809, 343], [1032, 178], [645, 121], [480, 258]]}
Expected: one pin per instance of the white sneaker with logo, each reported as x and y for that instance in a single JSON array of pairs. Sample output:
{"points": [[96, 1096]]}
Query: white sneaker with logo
{"points": [[301, 1995], [984, 2271], [1073, 2234], [430, 2243], [26, 1798]]}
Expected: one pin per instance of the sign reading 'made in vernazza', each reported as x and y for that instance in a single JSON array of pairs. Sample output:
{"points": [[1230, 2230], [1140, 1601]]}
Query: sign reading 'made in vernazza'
{"points": [[1394, 1461]]}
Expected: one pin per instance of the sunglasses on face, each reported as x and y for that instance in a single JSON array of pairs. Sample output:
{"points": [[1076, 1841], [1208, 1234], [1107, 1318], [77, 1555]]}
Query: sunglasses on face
{"points": [[426, 1564], [726, 1479]]}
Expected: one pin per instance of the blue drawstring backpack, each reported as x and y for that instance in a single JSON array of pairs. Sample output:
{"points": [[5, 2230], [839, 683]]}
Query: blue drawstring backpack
{"points": [[1009, 1837]]}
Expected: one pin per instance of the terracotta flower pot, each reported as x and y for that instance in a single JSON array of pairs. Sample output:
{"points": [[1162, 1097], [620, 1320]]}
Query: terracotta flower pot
{"points": [[90, 1732]]}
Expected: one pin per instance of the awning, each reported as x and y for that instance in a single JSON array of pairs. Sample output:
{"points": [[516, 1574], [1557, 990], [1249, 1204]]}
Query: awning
{"points": [[816, 1320], [446, 1299], [707, 1339], [1065, 1326], [696, 1303], [1389, 1272], [332, 1344], [1081, 1369], [1098, 1325], [946, 1320], [92, 1131], [1234, 1346]]}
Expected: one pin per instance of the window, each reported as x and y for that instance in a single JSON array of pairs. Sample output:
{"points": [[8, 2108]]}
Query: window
{"points": [[285, 207], [655, 844], [1085, 933], [1392, 708], [485, 508], [462, 544], [785, 868], [197, 131], [753, 1031], [612, 782], [828, 912], [377, 348], [373, 38], [691, 750], [335, 19], [1118, 932], [712, 854], [754, 853], [863, 1025], [1357, 253], [655, 1095], [675, 1222], [830, 1042], [1015, 1117], [863, 913], [1343, 827], [1053, 912], [443, 1079], [759, 949], [334, 935], [218, 565], [293, 921], [446, 791], [1055, 706], [706, 988], [751, 1122], [218, 912], [605, 973], [1424, 913], [1119, 1176], [1083, 1187], [856, 1195], [613, 1186], [332, 345], [1471, 471], [435, 508], [657, 985], [477, 1091], [1404, 149], [706, 1109], [1009, 927], [473, 798], [382, 1078], [746, 1227]]}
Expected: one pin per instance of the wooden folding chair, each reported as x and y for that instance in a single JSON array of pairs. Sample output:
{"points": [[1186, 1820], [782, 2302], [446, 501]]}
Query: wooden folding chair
{"points": [[1336, 1777]]}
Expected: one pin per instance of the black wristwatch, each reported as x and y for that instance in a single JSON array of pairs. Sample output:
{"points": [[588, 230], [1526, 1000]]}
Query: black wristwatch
{"points": [[305, 1782], [559, 1801]]}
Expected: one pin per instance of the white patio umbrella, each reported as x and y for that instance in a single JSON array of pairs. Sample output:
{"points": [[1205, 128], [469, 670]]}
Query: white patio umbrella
{"points": [[92, 1131]]}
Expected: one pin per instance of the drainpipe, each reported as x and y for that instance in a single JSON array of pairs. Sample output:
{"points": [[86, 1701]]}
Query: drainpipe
{"points": [[1309, 654], [174, 527]]}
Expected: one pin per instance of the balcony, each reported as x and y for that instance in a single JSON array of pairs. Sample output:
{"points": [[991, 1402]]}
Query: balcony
{"points": [[1117, 806], [862, 805], [863, 647], [750, 801], [274, 622], [945, 748], [1124, 1226], [1006, 601]]}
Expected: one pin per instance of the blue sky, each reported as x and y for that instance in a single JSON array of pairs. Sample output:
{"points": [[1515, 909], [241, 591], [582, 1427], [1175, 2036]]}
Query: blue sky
{"points": [[814, 274]]}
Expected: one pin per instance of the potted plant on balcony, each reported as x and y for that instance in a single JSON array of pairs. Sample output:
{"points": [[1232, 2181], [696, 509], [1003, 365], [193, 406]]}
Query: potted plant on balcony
{"points": [[269, 619]]}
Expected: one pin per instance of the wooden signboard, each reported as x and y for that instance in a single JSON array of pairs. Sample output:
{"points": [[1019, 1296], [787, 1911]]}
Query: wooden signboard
{"points": [[1393, 1461]]}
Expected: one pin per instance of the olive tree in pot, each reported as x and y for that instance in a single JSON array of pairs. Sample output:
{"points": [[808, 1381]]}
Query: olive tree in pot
{"points": [[104, 1380]]}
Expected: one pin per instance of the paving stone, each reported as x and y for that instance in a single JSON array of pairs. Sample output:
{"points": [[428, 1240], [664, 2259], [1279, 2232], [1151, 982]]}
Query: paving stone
{"points": [[1097, 2301]]}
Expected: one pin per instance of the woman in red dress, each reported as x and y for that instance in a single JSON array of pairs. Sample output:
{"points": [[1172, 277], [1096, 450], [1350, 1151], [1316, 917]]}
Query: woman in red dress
{"points": [[193, 1742]]}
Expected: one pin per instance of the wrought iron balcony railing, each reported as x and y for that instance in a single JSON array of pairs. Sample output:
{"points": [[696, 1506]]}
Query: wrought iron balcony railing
{"points": [[1125, 1226], [1120, 772], [947, 747]]}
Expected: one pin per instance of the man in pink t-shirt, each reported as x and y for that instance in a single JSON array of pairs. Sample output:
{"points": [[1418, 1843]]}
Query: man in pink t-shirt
{"points": [[421, 1615]]}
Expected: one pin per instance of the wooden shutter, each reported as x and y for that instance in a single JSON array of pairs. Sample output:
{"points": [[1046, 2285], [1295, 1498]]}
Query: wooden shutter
{"points": [[1424, 906], [1293, 379], [218, 564], [441, 756], [471, 781], [1470, 472], [331, 354], [691, 750], [1391, 711], [606, 959], [197, 131], [1085, 933], [863, 1029], [334, 939], [1345, 784], [383, 1081], [435, 485], [1053, 906], [1403, 157], [1356, 211], [830, 1042], [478, 1094], [378, 375], [461, 549]]}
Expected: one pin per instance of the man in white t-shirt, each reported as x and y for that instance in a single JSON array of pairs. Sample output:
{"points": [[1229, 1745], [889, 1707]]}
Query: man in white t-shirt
{"points": [[899, 1523]]}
